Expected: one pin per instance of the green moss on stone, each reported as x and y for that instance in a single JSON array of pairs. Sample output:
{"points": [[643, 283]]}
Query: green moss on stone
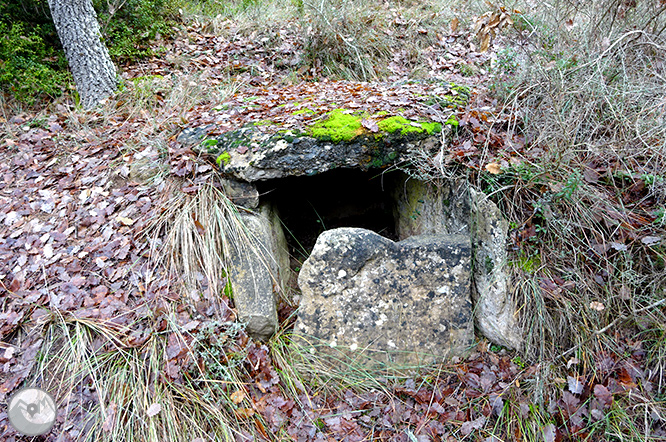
{"points": [[224, 157], [405, 126], [453, 121], [431, 128], [343, 125], [339, 126], [528, 265], [304, 111], [209, 143]]}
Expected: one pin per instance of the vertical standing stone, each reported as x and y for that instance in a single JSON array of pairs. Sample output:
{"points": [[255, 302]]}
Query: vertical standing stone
{"points": [[256, 271], [494, 309], [424, 209], [455, 208]]}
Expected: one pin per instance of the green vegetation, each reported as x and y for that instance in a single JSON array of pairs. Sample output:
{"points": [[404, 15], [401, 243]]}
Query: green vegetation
{"points": [[343, 125], [30, 69], [211, 142], [340, 125], [458, 96], [398, 123], [223, 158], [130, 27], [33, 66]]}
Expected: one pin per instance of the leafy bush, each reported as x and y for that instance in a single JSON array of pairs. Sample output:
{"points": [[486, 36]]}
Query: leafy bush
{"points": [[29, 68], [32, 64], [129, 26]]}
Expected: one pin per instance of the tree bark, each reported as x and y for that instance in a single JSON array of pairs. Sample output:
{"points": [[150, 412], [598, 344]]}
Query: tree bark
{"points": [[88, 58]]}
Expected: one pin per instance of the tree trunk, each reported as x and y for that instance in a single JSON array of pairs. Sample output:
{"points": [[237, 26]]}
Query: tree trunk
{"points": [[88, 58]]}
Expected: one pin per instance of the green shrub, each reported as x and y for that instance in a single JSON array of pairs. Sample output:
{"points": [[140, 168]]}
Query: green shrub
{"points": [[30, 69], [32, 64], [130, 26]]}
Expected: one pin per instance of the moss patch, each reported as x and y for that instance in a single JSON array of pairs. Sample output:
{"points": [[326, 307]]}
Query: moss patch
{"points": [[339, 126], [209, 143], [453, 121], [405, 126], [458, 96], [344, 125], [304, 111], [528, 265], [224, 157]]}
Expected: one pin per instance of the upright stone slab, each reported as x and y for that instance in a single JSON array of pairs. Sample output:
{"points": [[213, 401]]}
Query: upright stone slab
{"points": [[494, 309], [422, 208], [257, 270], [404, 303], [456, 208]]}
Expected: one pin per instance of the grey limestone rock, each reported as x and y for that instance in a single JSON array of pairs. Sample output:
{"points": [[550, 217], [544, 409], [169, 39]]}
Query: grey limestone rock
{"points": [[404, 303], [422, 208], [455, 208], [241, 193], [250, 155], [257, 271], [495, 311]]}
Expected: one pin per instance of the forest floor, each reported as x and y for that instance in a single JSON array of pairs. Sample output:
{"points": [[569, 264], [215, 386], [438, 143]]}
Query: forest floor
{"points": [[130, 354]]}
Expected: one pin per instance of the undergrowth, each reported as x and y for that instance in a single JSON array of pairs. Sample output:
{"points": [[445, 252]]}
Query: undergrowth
{"points": [[585, 198], [30, 70], [34, 69], [359, 39], [120, 390], [130, 27]]}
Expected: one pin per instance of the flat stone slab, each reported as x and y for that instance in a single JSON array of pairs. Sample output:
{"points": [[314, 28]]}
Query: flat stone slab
{"points": [[403, 303], [248, 154]]}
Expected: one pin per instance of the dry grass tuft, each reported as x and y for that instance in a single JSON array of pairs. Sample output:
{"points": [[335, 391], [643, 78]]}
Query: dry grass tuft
{"points": [[193, 236], [115, 392], [359, 39]]}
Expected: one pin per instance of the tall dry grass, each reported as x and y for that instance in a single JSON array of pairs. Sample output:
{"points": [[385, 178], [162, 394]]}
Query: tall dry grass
{"points": [[588, 81]]}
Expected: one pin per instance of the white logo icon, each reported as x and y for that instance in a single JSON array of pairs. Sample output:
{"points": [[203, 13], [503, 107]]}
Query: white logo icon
{"points": [[32, 411]]}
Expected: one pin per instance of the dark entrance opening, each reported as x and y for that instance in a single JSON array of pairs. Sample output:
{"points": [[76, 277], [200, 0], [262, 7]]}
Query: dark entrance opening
{"points": [[308, 205]]}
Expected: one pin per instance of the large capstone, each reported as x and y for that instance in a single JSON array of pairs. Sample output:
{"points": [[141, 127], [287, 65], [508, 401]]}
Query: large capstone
{"points": [[379, 301], [249, 154]]}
